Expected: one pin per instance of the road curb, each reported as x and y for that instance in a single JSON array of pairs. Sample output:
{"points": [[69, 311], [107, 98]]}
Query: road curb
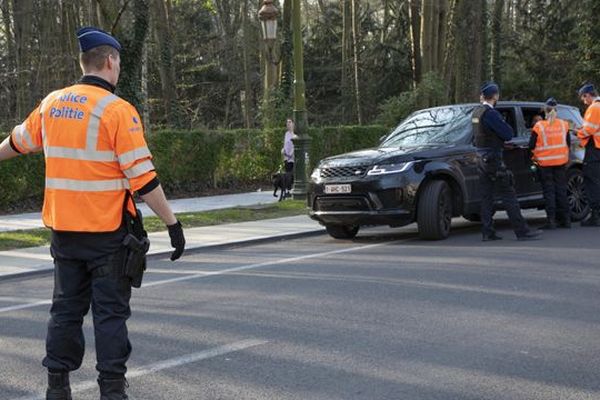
{"points": [[191, 250]]}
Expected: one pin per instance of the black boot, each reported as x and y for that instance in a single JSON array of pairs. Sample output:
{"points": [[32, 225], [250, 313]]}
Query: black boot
{"points": [[530, 235], [113, 389], [490, 237], [593, 220], [58, 386], [565, 222]]}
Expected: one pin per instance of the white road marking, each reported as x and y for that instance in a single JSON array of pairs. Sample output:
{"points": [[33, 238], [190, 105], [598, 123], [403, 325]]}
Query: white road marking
{"points": [[204, 274], [12, 299], [165, 364], [26, 305], [172, 271], [23, 254]]}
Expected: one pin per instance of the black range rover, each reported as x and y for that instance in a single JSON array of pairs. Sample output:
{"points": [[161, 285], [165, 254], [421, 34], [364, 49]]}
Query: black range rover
{"points": [[425, 171]]}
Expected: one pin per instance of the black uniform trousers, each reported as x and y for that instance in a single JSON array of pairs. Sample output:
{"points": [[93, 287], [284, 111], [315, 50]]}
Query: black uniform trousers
{"points": [[77, 284], [500, 182], [554, 186], [591, 181]]}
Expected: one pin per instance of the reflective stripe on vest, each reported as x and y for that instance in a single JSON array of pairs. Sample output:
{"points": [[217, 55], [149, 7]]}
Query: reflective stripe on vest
{"points": [[77, 185], [591, 125], [549, 153], [133, 155], [139, 169], [94, 122], [22, 135]]}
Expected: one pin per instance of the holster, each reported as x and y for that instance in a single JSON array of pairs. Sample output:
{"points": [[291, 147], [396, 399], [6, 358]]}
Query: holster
{"points": [[136, 245], [488, 164], [492, 165]]}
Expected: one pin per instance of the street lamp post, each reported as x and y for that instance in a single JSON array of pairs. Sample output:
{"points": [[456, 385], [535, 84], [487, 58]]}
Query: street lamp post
{"points": [[268, 18], [302, 140]]}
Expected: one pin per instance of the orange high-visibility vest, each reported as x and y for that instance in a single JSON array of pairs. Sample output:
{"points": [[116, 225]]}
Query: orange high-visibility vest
{"points": [[94, 147], [551, 148], [591, 125]]}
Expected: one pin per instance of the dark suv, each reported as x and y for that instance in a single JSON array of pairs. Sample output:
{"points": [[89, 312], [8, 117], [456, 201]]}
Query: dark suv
{"points": [[425, 171]]}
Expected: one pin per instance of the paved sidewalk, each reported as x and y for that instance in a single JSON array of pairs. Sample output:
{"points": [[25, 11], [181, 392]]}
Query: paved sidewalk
{"points": [[23, 262], [34, 220]]}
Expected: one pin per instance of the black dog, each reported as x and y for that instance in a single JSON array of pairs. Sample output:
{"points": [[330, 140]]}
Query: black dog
{"points": [[281, 182]]}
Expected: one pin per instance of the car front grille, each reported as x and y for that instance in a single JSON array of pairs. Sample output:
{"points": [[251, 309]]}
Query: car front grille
{"points": [[351, 171], [341, 203]]}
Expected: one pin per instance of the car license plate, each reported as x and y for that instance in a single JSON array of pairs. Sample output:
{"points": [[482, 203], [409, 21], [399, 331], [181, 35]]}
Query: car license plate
{"points": [[337, 189]]}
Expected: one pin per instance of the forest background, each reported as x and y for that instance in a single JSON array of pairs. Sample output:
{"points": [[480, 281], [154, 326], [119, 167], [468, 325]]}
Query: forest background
{"points": [[192, 64], [196, 71]]}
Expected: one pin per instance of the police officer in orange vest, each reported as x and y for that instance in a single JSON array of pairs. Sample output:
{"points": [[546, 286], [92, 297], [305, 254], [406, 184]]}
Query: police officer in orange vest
{"points": [[549, 143], [589, 134], [96, 157]]}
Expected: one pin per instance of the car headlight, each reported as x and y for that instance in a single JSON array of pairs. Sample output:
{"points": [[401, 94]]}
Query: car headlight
{"points": [[390, 168], [316, 174]]}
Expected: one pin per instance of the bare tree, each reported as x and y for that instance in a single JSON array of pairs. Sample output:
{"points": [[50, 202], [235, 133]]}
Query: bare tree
{"points": [[414, 14], [356, 51]]}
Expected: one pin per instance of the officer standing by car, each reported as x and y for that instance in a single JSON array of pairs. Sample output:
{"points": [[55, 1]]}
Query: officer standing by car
{"points": [[96, 157], [490, 131], [549, 143], [589, 134]]}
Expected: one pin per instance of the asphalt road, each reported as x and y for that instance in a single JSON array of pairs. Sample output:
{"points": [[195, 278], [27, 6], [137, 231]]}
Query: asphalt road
{"points": [[385, 316]]}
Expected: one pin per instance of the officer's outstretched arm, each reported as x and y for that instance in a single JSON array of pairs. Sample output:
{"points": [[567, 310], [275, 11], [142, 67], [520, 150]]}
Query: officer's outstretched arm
{"points": [[6, 150], [157, 201]]}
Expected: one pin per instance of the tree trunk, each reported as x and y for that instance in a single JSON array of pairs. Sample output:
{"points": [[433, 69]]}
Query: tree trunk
{"points": [[415, 39], [145, 111], [166, 68], [386, 21], [495, 61], [469, 49], [449, 63], [92, 13], [23, 25], [247, 84], [345, 84], [132, 37], [10, 61], [321, 6], [356, 78], [435, 32], [427, 35], [229, 20], [442, 33]]}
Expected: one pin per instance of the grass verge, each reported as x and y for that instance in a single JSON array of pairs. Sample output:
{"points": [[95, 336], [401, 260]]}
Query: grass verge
{"points": [[40, 237]]}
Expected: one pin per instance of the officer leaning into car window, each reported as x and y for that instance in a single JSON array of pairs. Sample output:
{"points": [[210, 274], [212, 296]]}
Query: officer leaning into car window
{"points": [[549, 143], [96, 156], [490, 131], [589, 134]]}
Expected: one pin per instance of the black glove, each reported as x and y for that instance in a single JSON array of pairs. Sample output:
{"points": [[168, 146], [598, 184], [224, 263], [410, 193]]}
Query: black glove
{"points": [[177, 240]]}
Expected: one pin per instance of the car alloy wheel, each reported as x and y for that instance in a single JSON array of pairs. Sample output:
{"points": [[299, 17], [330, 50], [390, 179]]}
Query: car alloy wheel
{"points": [[576, 195]]}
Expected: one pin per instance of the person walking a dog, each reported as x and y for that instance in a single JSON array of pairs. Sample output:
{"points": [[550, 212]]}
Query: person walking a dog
{"points": [[288, 155]]}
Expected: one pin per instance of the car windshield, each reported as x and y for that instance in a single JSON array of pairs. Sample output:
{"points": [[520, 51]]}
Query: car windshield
{"points": [[443, 125]]}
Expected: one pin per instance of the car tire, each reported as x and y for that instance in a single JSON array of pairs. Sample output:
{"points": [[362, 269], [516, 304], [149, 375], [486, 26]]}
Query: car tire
{"points": [[342, 231], [434, 213], [576, 195]]}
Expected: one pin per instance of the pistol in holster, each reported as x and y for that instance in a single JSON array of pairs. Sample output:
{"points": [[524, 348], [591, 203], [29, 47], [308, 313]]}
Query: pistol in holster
{"points": [[136, 245]]}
